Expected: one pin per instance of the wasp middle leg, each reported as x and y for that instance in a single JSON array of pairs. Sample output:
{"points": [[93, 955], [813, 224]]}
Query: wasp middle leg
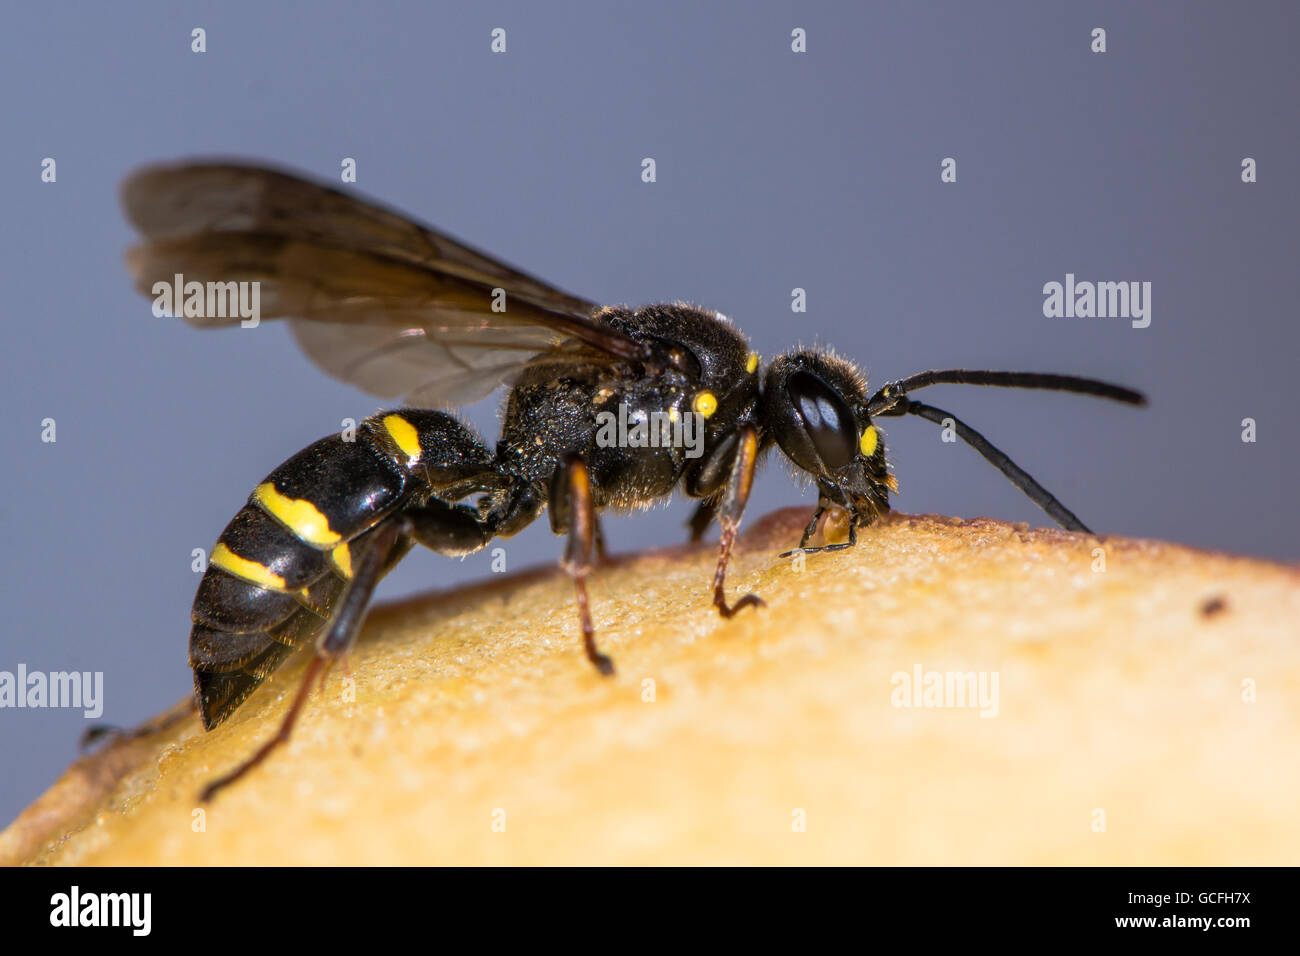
{"points": [[572, 508], [729, 512]]}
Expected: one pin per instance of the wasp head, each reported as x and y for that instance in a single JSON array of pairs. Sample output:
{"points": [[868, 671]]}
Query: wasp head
{"points": [[815, 410]]}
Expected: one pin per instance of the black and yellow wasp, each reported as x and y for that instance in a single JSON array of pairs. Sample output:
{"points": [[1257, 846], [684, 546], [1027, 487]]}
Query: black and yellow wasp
{"points": [[403, 311]]}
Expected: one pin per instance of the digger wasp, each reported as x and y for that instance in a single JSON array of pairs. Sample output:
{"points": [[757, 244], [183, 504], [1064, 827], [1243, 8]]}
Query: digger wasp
{"points": [[405, 312]]}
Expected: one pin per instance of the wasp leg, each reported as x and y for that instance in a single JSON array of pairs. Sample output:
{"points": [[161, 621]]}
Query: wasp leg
{"points": [[841, 546], [730, 510], [344, 626], [572, 507], [701, 519], [811, 529], [165, 721]]}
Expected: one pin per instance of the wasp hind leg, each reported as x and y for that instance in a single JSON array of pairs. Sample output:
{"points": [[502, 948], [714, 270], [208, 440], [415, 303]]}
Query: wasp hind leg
{"points": [[345, 623]]}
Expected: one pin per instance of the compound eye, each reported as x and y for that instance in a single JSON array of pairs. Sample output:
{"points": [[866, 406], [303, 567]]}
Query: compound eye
{"points": [[826, 418]]}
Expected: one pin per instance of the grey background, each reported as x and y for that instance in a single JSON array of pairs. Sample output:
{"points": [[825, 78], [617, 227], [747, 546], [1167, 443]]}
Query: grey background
{"points": [[775, 170]]}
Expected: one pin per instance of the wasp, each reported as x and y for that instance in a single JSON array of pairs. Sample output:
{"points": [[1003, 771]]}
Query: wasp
{"points": [[407, 313]]}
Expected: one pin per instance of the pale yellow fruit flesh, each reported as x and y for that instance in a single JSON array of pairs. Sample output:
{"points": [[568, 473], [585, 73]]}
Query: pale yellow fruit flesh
{"points": [[1147, 713]]}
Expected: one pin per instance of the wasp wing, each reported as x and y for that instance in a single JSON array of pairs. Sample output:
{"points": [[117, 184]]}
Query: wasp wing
{"points": [[374, 299]]}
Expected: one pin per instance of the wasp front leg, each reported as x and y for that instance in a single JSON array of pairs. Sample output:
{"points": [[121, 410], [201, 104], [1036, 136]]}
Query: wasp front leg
{"points": [[729, 512], [852, 542], [824, 505]]}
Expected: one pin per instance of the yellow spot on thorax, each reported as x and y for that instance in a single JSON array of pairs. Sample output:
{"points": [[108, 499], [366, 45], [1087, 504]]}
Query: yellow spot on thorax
{"points": [[870, 439], [751, 363], [262, 576], [706, 403], [405, 436], [301, 517]]}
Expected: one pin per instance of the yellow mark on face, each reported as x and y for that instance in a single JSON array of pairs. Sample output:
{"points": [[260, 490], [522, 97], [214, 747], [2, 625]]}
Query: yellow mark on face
{"points": [[299, 516], [751, 363], [251, 571], [870, 439], [706, 403], [673, 415], [342, 558], [406, 437]]}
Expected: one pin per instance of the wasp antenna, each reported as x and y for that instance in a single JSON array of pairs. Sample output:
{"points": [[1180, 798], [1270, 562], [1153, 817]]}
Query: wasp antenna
{"points": [[1018, 476], [891, 394]]}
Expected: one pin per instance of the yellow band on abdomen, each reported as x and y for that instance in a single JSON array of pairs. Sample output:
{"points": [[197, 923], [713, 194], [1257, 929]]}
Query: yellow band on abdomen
{"points": [[262, 576], [301, 517]]}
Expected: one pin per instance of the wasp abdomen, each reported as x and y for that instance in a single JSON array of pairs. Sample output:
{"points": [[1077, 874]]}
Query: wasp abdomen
{"points": [[333, 490], [282, 561], [279, 567]]}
